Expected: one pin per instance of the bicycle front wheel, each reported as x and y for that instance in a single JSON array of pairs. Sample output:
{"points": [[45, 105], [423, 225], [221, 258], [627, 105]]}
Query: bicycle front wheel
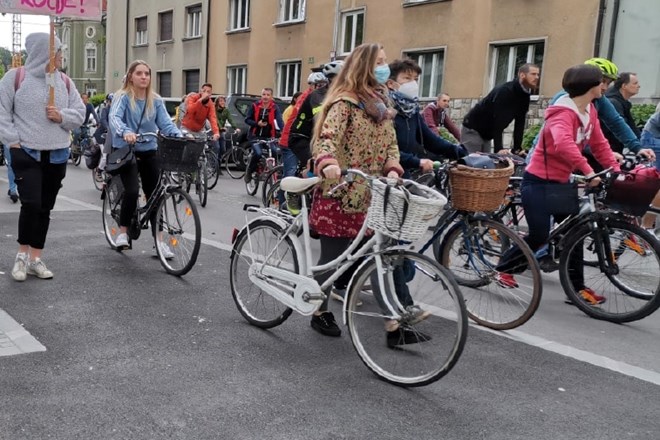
{"points": [[203, 178], [629, 284], [410, 328], [213, 169], [272, 201], [231, 160], [112, 196], [501, 300], [251, 248], [179, 233], [98, 178]]}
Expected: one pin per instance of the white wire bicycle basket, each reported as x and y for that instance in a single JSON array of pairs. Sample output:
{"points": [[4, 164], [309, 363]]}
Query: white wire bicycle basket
{"points": [[403, 211]]}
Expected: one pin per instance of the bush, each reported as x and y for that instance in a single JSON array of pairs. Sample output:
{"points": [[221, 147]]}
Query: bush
{"points": [[530, 134], [97, 99], [641, 113], [446, 135]]}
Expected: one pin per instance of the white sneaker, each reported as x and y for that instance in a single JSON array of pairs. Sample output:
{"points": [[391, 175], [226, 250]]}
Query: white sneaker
{"points": [[19, 271], [121, 242], [39, 269], [165, 250]]}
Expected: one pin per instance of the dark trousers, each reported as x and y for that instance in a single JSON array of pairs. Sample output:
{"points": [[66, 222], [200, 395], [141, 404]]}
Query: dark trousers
{"points": [[257, 152], [539, 222], [38, 184], [147, 167]]}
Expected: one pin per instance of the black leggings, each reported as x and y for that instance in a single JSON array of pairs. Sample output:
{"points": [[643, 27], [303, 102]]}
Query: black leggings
{"points": [[38, 184], [147, 166]]}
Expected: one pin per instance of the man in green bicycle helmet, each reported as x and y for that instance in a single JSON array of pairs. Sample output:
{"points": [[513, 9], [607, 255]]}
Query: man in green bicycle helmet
{"points": [[606, 66]]}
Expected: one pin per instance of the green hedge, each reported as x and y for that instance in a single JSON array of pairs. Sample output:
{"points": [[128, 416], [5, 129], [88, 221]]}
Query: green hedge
{"points": [[529, 136], [641, 113], [97, 99]]}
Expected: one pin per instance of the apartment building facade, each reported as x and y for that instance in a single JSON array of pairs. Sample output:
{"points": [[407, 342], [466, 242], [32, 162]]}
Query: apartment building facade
{"points": [[83, 53], [170, 35], [465, 47]]}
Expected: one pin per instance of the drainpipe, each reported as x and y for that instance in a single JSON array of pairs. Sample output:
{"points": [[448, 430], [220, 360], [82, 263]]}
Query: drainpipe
{"points": [[615, 18], [128, 36], [599, 26], [208, 29], [335, 31]]}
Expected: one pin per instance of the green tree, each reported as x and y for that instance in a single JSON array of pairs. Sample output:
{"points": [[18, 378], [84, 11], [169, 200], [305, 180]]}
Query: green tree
{"points": [[5, 58]]}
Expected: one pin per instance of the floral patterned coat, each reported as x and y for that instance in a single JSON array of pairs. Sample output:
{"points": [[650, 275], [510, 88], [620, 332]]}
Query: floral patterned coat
{"points": [[350, 139]]}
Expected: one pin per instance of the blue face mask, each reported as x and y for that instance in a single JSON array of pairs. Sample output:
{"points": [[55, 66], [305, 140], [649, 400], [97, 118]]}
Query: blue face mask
{"points": [[382, 73]]}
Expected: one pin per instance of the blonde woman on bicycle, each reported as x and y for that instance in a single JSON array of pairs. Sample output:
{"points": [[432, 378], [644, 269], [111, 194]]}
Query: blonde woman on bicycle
{"points": [[354, 130], [137, 108]]}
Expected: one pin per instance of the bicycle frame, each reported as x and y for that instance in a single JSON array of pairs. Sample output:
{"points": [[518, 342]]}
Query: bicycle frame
{"points": [[308, 294]]}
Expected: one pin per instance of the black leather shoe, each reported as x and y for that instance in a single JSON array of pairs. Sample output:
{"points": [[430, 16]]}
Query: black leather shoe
{"points": [[325, 324]]}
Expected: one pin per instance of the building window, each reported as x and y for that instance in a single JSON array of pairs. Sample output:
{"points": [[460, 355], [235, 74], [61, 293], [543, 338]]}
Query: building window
{"points": [[192, 80], [507, 58], [352, 30], [140, 31], [432, 64], [239, 14], [292, 10], [288, 79], [165, 26], [236, 80], [194, 21], [90, 57], [165, 83]]}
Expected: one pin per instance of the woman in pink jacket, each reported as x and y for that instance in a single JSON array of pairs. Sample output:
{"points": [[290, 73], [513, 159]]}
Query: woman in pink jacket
{"points": [[570, 124]]}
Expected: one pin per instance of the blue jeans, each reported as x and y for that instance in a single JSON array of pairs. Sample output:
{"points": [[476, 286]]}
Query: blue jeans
{"points": [[290, 165], [256, 157], [10, 171], [648, 141]]}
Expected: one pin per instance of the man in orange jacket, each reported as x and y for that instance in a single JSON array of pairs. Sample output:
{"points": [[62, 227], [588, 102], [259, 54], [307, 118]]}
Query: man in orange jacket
{"points": [[199, 109]]}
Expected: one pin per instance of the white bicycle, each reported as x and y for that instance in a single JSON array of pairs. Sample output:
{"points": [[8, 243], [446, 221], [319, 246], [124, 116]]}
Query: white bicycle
{"points": [[272, 274]]}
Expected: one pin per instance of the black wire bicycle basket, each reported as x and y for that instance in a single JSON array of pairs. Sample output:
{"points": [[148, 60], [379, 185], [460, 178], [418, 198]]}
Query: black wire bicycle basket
{"points": [[179, 154]]}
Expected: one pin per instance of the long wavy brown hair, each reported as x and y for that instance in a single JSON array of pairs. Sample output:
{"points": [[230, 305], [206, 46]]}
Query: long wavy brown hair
{"points": [[128, 89], [356, 79]]}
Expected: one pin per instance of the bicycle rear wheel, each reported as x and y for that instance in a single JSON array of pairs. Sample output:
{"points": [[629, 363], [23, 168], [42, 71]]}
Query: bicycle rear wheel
{"points": [[231, 160], [203, 183], [112, 196], [274, 175], [630, 287], [98, 178], [180, 230], [500, 300], [272, 201], [431, 329], [251, 248]]}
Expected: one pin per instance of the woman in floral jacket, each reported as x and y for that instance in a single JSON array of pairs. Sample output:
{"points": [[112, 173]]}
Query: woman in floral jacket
{"points": [[354, 130]]}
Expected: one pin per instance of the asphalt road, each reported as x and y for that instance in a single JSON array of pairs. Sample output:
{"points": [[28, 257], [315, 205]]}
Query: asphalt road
{"points": [[114, 348]]}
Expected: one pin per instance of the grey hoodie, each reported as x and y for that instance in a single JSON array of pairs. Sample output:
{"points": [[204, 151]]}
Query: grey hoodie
{"points": [[23, 116]]}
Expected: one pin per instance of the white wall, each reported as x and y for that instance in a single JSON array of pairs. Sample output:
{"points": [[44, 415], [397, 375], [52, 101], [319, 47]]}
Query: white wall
{"points": [[637, 43]]}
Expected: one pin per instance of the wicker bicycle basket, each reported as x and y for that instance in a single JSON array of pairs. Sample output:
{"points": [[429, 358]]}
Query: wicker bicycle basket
{"points": [[179, 154], [403, 212], [479, 190]]}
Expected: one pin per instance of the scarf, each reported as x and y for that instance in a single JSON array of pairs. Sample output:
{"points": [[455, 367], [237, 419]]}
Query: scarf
{"points": [[376, 107], [404, 105]]}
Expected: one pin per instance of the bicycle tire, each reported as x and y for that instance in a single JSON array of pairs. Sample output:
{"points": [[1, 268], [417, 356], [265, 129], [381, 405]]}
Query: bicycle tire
{"points": [[435, 337], [234, 171], [252, 186], [256, 306], [176, 211], [272, 176], [272, 201], [112, 196], [98, 177], [203, 177], [631, 294], [213, 167], [490, 301]]}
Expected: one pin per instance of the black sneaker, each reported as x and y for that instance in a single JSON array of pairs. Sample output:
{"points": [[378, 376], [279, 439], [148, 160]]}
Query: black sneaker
{"points": [[247, 177], [405, 336], [13, 196], [325, 324]]}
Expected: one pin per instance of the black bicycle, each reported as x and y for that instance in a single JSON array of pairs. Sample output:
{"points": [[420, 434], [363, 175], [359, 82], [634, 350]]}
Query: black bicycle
{"points": [[178, 233]]}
